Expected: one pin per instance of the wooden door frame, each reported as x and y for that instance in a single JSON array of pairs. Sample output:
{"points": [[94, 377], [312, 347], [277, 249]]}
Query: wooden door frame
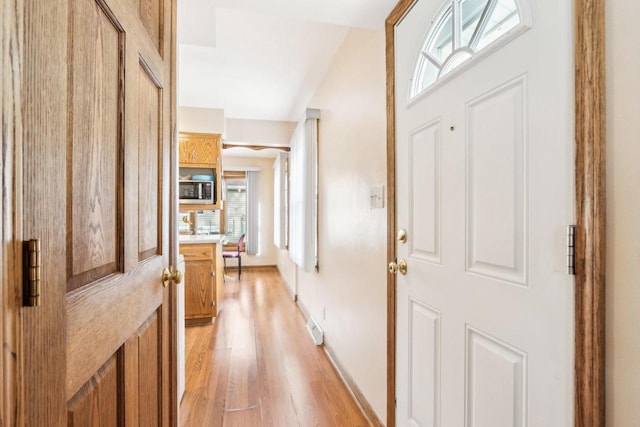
{"points": [[11, 47], [173, 217], [589, 65]]}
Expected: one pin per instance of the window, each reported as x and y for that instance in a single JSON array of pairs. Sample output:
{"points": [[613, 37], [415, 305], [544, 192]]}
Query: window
{"points": [[461, 30], [235, 206], [206, 222]]}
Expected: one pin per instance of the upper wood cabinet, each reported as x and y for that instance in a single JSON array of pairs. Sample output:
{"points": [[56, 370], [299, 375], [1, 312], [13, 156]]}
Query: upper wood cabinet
{"points": [[199, 149], [201, 154]]}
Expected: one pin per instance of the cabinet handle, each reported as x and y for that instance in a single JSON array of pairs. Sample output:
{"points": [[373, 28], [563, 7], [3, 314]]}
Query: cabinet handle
{"points": [[189, 254], [213, 274]]}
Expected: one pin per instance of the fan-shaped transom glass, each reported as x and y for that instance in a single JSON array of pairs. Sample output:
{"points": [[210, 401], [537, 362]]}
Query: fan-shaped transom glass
{"points": [[460, 31]]}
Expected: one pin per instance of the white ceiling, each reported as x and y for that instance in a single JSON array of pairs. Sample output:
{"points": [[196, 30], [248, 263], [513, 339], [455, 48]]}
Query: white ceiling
{"points": [[349, 13], [263, 59]]}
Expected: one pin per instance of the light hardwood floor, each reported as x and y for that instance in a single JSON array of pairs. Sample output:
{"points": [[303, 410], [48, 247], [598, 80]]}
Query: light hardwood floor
{"points": [[257, 366]]}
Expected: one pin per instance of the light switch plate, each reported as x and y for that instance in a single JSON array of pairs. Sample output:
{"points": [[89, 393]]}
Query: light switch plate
{"points": [[376, 197]]}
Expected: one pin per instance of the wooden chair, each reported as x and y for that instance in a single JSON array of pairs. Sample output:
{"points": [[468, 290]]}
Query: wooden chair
{"points": [[235, 254]]}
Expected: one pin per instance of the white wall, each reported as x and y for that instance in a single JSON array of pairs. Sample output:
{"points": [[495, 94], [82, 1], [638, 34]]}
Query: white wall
{"points": [[288, 270], [267, 253], [348, 296], [623, 213], [200, 120], [259, 132]]}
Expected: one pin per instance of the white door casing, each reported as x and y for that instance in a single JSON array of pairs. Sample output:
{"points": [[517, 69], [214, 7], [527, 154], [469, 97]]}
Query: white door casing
{"points": [[484, 187]]}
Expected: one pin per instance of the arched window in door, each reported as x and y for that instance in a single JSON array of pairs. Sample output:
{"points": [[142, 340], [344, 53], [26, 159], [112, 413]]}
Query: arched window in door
{"points": [[461, 30]]}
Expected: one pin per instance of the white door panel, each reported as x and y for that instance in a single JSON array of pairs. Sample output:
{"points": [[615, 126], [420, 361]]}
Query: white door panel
{"points": [[424, 364], [496, 382], [484, 187], [496, 187], [424, 192]]}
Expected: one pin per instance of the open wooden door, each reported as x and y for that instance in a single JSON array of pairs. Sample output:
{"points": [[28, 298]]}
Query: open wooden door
{"points": [[97, 94]]}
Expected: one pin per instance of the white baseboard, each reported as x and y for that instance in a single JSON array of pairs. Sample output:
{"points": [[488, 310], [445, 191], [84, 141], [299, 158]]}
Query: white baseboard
{"points": [[351, 385]]}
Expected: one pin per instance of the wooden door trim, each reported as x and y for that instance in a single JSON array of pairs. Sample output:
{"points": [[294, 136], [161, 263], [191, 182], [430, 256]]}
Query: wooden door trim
{"points": [[590, 213], [396, 15], [173, 217], [11, 47], [590, 107]]}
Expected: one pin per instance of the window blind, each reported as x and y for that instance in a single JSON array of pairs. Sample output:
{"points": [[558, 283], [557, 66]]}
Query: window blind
{"points": [[253, 212], [235, 209], [303, 201], [280, 206]]}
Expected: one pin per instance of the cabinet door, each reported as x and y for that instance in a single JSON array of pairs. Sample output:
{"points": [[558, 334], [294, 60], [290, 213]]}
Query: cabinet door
{"points": [[199, 291], [183, 149], [202, 150], [219, 276]]}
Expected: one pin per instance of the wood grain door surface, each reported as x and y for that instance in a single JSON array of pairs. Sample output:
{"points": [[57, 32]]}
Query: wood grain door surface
{"points": [[97, 97]]}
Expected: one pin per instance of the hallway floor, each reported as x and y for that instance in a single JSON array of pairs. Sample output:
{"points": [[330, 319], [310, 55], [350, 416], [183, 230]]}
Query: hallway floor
{"points": [[257, 365]]}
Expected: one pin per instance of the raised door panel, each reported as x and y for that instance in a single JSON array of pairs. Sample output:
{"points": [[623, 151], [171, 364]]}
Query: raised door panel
{"points": [[98, 402], [199, 293], [151, 15], [425, 192], [94, 163], [134, 372], [149, 372], [424, 365], [496, 383], [149, 159], [497, 183]]}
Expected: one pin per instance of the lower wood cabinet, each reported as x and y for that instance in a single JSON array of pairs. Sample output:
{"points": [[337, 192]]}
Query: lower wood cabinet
{"points": [[203, 282]]}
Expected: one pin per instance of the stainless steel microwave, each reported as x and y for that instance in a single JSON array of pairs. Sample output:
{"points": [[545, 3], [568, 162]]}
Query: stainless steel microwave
{"points": [[194, 192]]}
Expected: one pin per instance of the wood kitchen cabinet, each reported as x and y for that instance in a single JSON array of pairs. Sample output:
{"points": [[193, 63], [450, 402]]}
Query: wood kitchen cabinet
{"points": [[201, 154], [199, 149], [203, 282]]}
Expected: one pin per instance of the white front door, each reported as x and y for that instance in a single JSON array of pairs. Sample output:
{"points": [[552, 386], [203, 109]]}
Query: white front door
{"points": [[485, 190]]}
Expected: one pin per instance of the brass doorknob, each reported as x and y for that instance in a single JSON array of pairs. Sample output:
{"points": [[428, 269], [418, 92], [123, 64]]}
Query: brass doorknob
{"points": [[171, 275], [401, 266]]}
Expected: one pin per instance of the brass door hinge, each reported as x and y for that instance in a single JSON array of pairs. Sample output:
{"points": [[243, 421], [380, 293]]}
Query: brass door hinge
{"points": [[32, 282]]}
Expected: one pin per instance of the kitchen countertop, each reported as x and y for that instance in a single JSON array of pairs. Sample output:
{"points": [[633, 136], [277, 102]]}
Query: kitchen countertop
{"points": [[186, 239]]}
